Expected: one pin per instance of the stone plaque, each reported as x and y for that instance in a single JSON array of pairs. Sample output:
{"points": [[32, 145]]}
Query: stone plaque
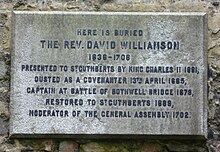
{"points": [[87, 73]]}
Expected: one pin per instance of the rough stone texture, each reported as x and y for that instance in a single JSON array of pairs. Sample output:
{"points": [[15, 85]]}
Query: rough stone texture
{"points": [[3, 69], [68, 146], [4, 127], [102, 147], [212, 7], [150, 148], [108, 147]]}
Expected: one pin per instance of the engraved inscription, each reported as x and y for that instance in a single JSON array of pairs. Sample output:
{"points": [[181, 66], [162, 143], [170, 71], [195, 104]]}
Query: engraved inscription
{"points": [[118, 74]]}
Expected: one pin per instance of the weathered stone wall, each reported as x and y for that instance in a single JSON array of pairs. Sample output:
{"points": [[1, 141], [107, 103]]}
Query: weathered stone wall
{"points": [[212, 7]]}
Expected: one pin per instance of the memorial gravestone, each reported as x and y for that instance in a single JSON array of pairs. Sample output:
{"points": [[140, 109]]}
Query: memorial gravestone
{"points": [[86, 73]]}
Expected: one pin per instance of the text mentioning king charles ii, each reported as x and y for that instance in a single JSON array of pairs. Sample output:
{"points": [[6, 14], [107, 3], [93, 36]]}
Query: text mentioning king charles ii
{"points": [[132, 74]]}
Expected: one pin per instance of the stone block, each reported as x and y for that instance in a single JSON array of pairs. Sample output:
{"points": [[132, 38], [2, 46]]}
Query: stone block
{"points": [[109, 74], [68, 146]]}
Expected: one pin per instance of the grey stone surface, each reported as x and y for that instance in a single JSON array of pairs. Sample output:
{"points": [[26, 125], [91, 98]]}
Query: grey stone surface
{"points": [[77, 53], [67, 146], [3, 127], [3, 69]]}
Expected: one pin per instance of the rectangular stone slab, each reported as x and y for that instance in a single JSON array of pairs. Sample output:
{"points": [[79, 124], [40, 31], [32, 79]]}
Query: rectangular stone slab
{"points": [[83, 74]]}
